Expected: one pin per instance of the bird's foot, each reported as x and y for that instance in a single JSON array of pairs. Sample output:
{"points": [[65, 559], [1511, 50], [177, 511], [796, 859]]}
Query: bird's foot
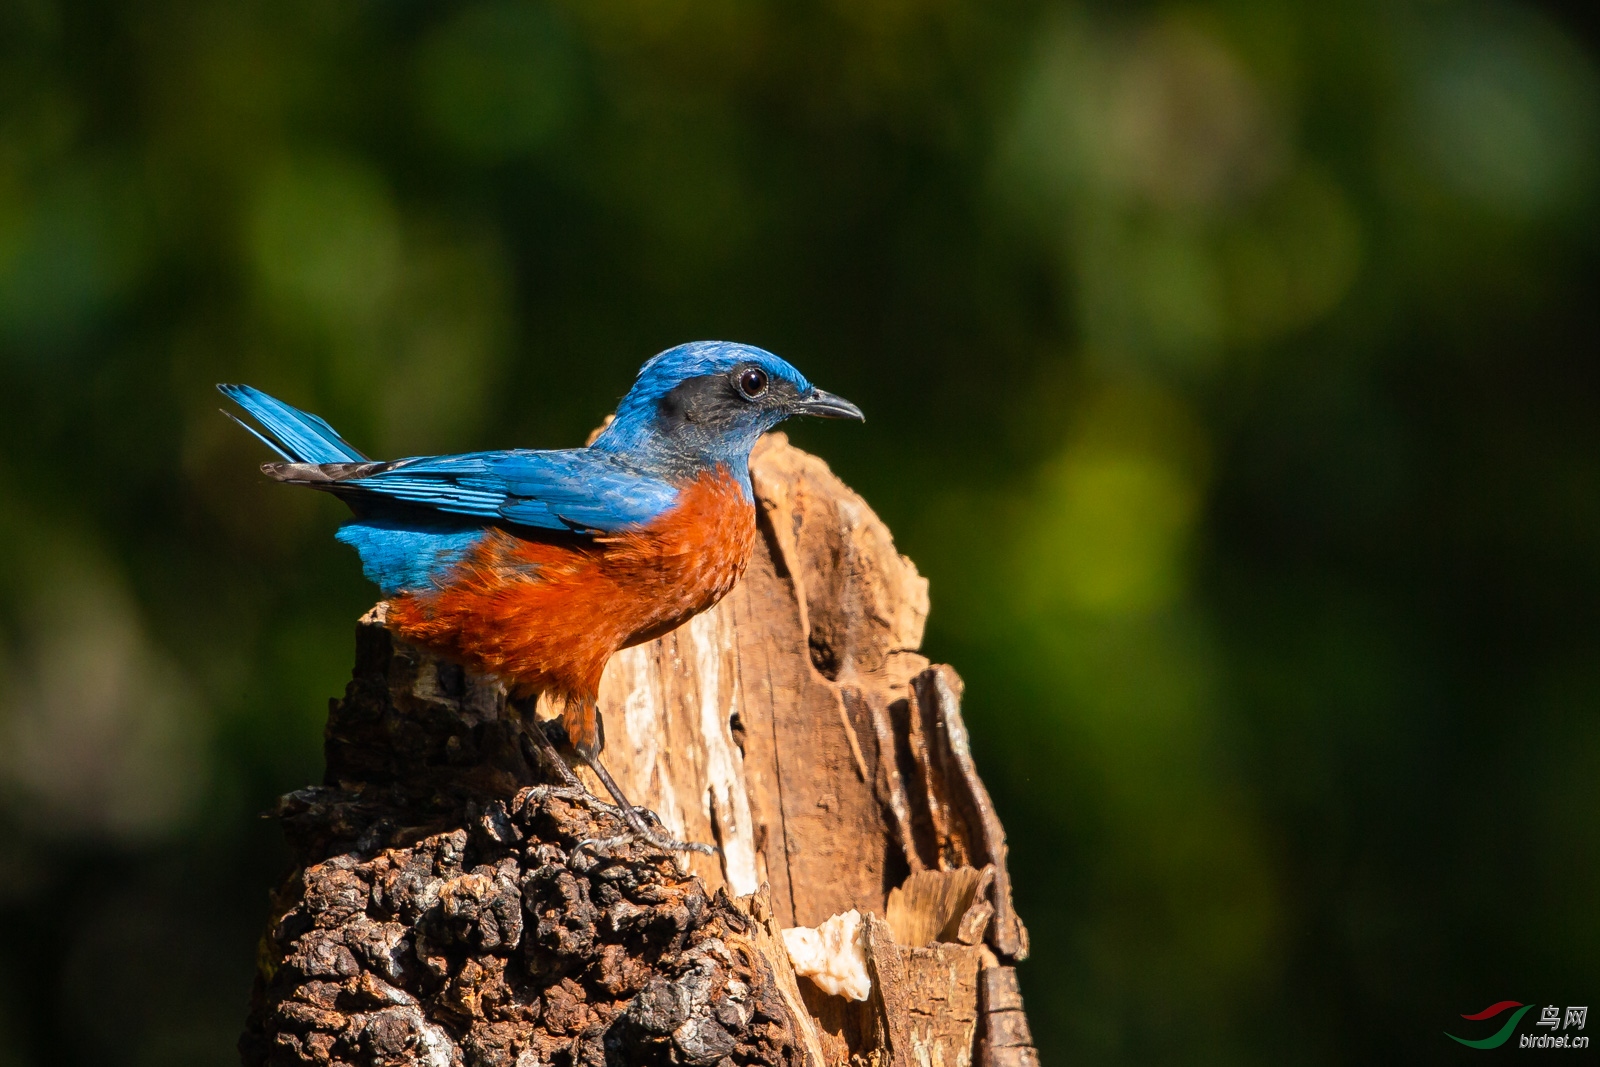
{"points": [[638, 830], [603, 844], [635, 816], [672, 844], [574, 795], [538, 748]]}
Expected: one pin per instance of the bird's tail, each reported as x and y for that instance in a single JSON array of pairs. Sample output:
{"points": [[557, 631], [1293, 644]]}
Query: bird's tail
{"points": [[298, 436]]}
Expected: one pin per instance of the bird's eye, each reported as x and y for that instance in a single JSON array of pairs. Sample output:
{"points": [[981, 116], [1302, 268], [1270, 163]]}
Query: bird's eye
{"points": [[753, 382]]}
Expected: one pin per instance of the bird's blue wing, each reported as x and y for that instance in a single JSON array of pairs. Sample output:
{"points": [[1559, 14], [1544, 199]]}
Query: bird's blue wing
{"points": [[571, 489]]}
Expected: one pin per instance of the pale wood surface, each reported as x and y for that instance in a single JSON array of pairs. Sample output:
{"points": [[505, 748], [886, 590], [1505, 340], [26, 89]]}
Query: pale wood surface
{"points": [[798, 727]]}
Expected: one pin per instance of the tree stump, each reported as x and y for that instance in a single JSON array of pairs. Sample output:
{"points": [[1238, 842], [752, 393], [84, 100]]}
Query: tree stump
{"points": [[445, 911]]}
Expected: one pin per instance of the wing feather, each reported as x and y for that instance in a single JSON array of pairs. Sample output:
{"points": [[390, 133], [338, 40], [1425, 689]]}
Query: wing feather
{"points": [[570, 489]]}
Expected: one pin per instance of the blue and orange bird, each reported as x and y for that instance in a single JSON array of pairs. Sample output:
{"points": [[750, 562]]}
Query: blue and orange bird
{"points": [[536, 566]]}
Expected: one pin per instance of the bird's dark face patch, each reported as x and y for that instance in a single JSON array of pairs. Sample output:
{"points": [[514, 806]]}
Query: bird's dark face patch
{"points": [[743, 398]]}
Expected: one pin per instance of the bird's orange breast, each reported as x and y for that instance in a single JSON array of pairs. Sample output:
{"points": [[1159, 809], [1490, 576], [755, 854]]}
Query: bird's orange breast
{"points": [[544, 615]]}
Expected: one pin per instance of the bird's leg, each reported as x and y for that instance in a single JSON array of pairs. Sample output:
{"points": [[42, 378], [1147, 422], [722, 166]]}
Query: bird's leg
{"points": [[548, 755], [535, 731], [537, 748], [586, 731], [631, 814]]}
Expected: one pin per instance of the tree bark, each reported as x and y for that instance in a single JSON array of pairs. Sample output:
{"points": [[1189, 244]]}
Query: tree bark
{"points": [[444, 909]]}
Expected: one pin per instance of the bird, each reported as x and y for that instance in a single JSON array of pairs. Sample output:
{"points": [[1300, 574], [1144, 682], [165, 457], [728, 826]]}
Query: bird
{"points": [[536, 566]]}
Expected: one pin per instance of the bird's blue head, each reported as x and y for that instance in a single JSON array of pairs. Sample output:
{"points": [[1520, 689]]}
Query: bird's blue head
{"points": [[707, 402]]}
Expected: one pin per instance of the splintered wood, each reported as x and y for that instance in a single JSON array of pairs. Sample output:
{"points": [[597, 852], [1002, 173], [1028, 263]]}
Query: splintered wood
{"points": [[795, 725]]}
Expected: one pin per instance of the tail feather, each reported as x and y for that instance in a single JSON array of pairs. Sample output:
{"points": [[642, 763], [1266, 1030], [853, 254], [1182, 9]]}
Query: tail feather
{"points": [[298, 436], [257, 434]]}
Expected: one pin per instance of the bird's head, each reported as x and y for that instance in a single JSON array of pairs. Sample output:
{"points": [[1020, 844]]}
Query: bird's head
{"points": [[708, 402]]}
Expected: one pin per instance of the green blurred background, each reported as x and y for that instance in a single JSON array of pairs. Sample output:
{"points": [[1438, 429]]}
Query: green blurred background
{"points": [[1231, 372]]}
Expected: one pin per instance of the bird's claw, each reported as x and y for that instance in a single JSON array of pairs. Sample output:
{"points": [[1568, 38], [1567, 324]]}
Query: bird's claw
{"points": [[575, 790], [669, 844], [575, 795], [600, 844], [639, 830], [649, 833]]}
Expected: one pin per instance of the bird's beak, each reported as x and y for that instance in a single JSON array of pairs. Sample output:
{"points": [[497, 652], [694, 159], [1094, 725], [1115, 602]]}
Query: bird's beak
{"points": [[825, 405]]}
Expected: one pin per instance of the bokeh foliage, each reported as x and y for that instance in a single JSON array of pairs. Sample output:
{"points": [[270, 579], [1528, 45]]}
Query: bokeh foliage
{"points": [[1230, 368]]}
